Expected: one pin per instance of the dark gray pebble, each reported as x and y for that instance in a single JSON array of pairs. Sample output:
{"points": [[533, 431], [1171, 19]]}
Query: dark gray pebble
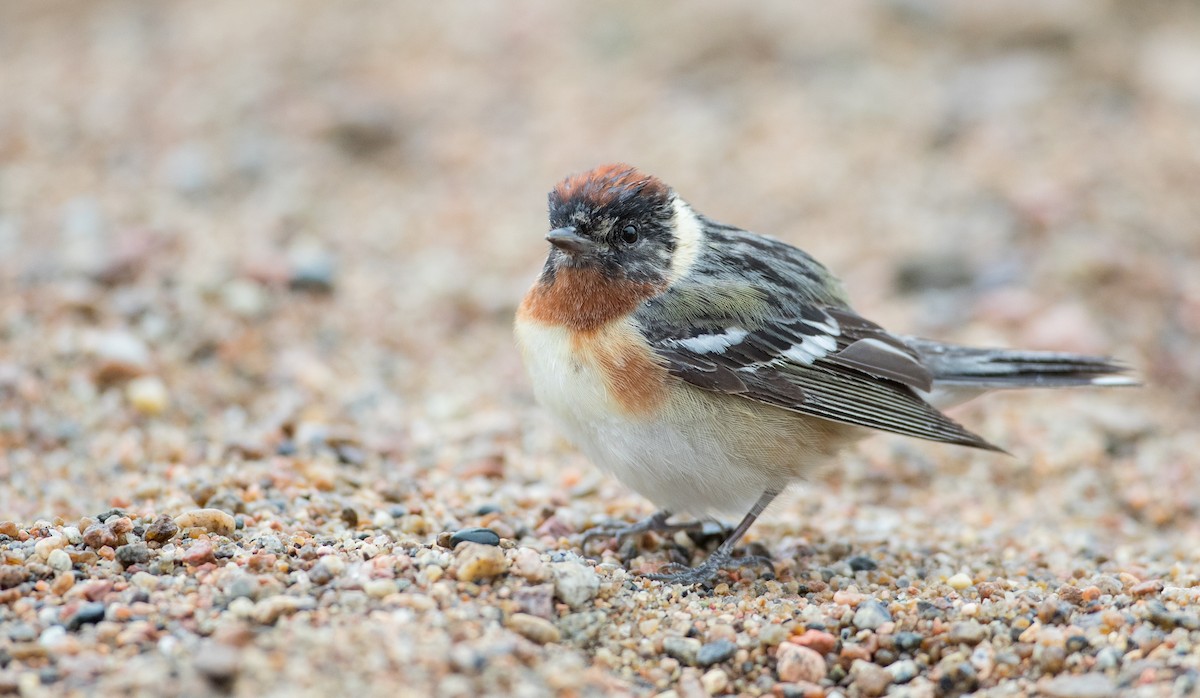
{"points": [[92, 612], [475, 535], [133, 554], [862, 563], [715, 652], [906, 641]]}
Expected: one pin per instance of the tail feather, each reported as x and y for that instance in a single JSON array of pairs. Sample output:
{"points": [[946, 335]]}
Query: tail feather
{"points": [[954, 365]]}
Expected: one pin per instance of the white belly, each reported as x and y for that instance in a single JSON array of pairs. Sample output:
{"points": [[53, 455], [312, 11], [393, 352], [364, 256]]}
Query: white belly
{"points": [[703, 453]]}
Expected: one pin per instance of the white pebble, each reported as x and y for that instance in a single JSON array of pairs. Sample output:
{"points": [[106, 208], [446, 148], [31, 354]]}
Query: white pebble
{"points": [[148, 395], [59, 560], [959, 581], [47, 545]]}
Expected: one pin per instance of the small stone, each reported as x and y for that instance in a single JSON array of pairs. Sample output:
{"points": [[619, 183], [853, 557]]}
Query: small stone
{"points": [[380, 588], [870, 679], [133, 554], [122, 352], [162, 530], [91, 612], [326, 570], [907, 641], [98, 536], [211, 520], [537, 600], [968, 633], [575, 584], [870, 615], [63, 582], [59, 560], [818, 640], [849, 598], [797, 663], [959, 582], [1078, 686], [199, 553], [10, 529], [477, 561], [52, 542], [714, 682], [148, 395], [1150, 586], [772, 635], [862, 563], [715, 652], [483, 536], [312, 268], [534, 628], [685, 649], [903, 671], [528, 563], [245, 298], [217, 662], [272, 609]]}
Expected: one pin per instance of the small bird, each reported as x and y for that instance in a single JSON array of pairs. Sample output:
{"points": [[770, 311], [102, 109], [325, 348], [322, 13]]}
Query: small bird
{"points": [[707, 367]]}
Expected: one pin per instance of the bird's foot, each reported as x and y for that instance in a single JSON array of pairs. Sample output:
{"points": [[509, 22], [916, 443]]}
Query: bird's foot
{"points": [[656, 523], [674, 573]]}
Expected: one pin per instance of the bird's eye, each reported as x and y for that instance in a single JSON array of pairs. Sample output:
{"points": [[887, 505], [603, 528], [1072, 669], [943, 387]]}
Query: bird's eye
{"points": [[629, 234]]}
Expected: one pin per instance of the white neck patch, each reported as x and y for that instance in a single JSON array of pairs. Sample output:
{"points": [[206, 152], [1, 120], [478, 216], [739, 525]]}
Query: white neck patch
{"points": [[688, 239]]}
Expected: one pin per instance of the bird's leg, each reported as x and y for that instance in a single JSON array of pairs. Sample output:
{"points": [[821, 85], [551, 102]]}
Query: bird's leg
{"points": [[656, 522], [722, 557]]}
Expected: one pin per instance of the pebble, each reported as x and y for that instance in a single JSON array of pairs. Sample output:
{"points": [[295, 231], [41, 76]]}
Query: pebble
{"points": [[528, 563], [162, 530], [133, 554], [871, 680], [967, 632], [312, 268], [537, 600], [534, 628], [211, 520], [483, 536], [714, 682], [715, 652], [326, 570], [903, 671], [380, 588], [198, 553], [91, 612], [59, 560], [148, 395], [98, 536], [50, 543], [862, 563], [685, 649], [772, 635], [798, 663], [244, 298], [1078, 686], [217, 662], [272, 609], [574, 584], [870, 615], [1151, 586], [818, 640], [959, 582], [477, 561]]}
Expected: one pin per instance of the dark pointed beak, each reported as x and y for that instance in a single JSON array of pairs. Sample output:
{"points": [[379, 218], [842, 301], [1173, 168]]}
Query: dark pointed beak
{"points": [[569, 241]]}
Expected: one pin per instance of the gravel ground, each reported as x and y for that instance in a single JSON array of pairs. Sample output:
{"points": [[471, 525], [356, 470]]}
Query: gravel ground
{"points": [[258, 393]]}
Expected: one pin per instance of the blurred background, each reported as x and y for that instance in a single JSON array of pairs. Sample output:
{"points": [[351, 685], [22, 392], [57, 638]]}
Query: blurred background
{"points": [[263, 257], [221, 222]]}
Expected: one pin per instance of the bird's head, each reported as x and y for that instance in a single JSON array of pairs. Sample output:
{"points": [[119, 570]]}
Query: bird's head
{"points": [[614, 220]]}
